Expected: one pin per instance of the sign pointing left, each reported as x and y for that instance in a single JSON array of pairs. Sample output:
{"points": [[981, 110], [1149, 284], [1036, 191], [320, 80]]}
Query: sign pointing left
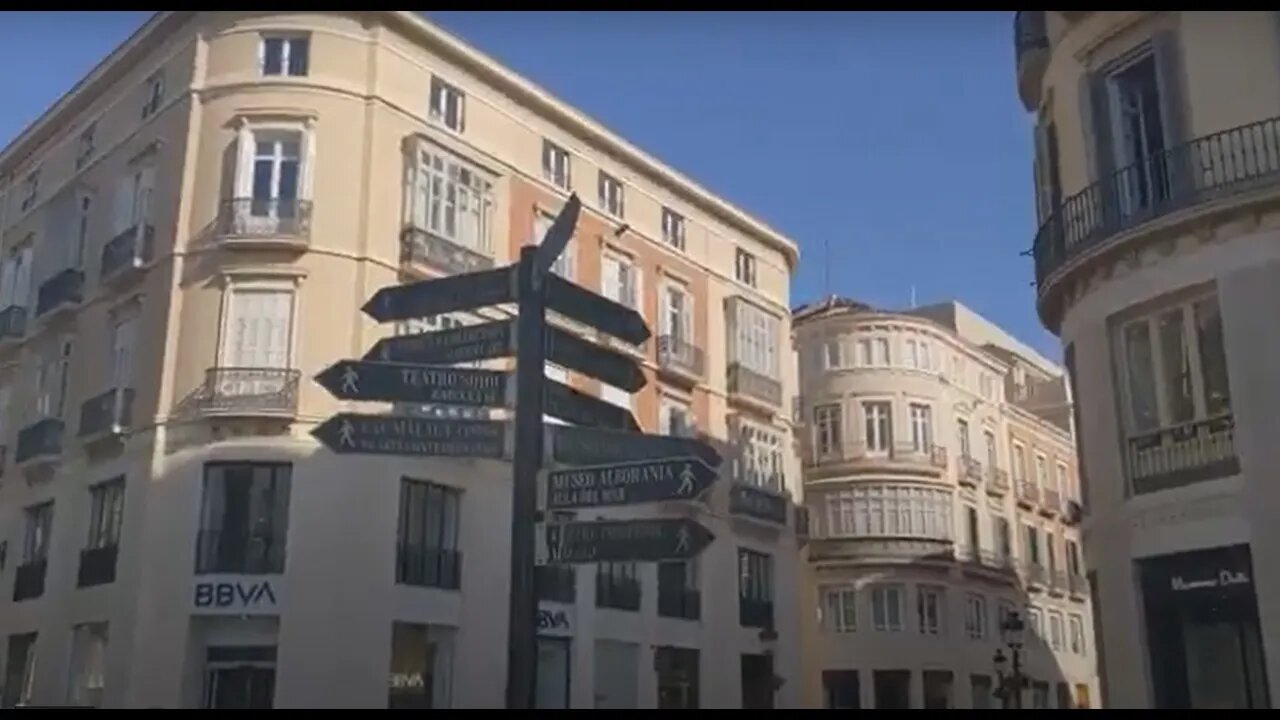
{"points": [[394, 435], [441, 295], [401, 382]]}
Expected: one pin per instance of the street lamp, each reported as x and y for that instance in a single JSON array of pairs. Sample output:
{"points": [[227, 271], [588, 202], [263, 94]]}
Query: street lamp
{"points": [[1010, 684]]}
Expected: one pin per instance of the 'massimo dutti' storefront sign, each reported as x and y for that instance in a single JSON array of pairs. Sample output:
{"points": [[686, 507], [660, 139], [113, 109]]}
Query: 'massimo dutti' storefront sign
{"points": [[1224, 578]]}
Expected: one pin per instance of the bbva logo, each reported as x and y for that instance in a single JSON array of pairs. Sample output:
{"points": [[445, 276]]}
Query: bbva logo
{"points": [[234, 594]]}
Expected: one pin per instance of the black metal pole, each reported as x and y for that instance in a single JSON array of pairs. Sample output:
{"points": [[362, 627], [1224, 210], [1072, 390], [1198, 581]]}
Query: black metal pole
{"points": [[1017, 679], [522, 639]]}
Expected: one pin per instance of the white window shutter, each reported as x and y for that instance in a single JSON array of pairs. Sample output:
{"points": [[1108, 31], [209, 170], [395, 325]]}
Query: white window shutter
{"points": [[244, 162]]}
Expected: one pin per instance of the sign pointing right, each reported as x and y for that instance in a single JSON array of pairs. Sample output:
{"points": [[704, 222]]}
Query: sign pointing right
{"points": [[647, 540], [628, 483]]}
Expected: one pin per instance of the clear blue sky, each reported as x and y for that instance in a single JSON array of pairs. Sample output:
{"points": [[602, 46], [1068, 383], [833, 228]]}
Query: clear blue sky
{"points": [[891, 147]]}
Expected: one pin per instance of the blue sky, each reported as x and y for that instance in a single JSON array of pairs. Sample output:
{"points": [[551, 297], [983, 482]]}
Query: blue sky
{"points": [[891, 147]]}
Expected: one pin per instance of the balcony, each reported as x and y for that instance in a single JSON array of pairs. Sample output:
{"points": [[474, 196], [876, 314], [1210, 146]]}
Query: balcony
{"points": [[680, 602], [842, 457], [1072, 512], [556, 583], [428, 567], [997, 481], [1077, 586], [40, 442], [1028, 493], [680, 360], [249, 392], [755, 613], [882, 550], [108, 414], [239, 553], [1031, 50], [1223, 169], [28, 580], [63, 291], [1182, 454], [987, 563], [748, 384], [1057, 580], [420, 247], [1035, 574], [127, 252], [97, 566], [1050, 502], [618, 593], [13, 323], [283, 223], [969, 471]]}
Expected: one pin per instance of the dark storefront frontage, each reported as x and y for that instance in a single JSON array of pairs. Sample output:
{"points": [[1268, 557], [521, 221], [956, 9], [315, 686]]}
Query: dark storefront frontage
{"points": [[1202, 630]]}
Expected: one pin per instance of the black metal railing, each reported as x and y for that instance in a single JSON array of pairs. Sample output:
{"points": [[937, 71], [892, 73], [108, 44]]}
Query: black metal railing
{"points": [[13, 322], [1030, 32], [241, 553], [677, 354], [131, 249], [419, 246], [97, 566], [744, 381], [428, 567], [1207, 168], [110, 412], [556, 583], [1182, 454], [619, 593], [42, 438], [28, 580], [755, 613], [286, 218], [250, 391], [679, 602], [63, 289]]}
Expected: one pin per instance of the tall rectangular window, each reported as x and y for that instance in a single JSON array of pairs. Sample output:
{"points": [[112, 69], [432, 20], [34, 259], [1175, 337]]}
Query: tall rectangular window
{"points": [[88, 664], [448, 105], [755, 589], [677, 670], [931, 609], [744, 267], [39, 526], [921, 427], [675, 418], [30, 190], [755, 334], [610, 195], [421, 666], [15, 280], [887, 609], [676, 321], [827, 429], [244, 518], [673, 228], [79, 240], [153, 95], [123, 334], [1055, 630], [427, 552], [840, 609], [556, 165], [285, 55], [878, 424], [451, 199], [1019, 463], [1077, 634], [1031, 535], [20, 670], [52, 376], [86, 145], [962, 436], [131, 200], [678, 594], [106, 513], [619, 280], [618, 586], [759, 455], [975, 616]]}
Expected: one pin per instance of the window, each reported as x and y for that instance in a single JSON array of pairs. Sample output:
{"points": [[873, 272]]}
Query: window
{"points": [[427, 535], [447, 105], [864, 352], [131, 204], [15, 277], [35, 547], [878, 423], [937, 689], [53, 373], [244, 518], [759, 456], [984, 386], [972, 533], [1003, 611], [30, 190], [421, 666], [926, 363], [678, 594], [672, 228], [257, 335], [1036, 622], [744, 267], [840, 610], [154, 95], [1061, 481], [886, 607], [755, 333], [1004, 542], [1077, 634], [1051, 549], [873, 509], [989, 438], [913, 354], [931, 609], [85, 145], [620, 280], [921, 427], [276, 170], [88, 664], [1133, 96], [564, 265], [284, 55], [1055, 630], [1019, 463], [676, 322], [1073, 558], [677, 670], [452, 201], [1042, 471], [1031, 538], [106, 514], [755, 589], [79, 240], [674, 417], [962, 435], [881, 356], [975, 616], [20, 670], [980, 689], [832, 355], [828, 433], [617, 586], [555, 165], [609, 193], [123, 333]]}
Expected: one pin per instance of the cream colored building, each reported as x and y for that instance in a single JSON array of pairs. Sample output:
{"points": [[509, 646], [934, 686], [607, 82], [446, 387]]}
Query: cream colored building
{"points": [[188, 236], [940, 481], [1157, 262]]}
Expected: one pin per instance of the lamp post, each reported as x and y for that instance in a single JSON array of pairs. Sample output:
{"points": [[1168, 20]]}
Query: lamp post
{"points": [[1011, 683]]}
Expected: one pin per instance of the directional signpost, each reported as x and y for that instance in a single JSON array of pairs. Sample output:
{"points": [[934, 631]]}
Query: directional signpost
{"points": [[604, 461]]}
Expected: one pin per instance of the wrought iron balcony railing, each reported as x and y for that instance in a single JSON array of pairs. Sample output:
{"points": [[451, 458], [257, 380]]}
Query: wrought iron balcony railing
{"points": [[1208, 168], [40, 440], [675, 353], [556, 583], [28, 580], [241, 553], [64, 289], [284, 219], [679, 602], [755, 613], [129, 250], [747, 382], [110, 412], [13, 323], [97, 566], [428, 567], [619, 593], [250, 391], [1182, 454]]}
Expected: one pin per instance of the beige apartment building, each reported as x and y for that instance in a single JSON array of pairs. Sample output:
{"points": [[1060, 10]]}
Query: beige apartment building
{"points": [[939, 473], [1157, 262], [187, 238]]}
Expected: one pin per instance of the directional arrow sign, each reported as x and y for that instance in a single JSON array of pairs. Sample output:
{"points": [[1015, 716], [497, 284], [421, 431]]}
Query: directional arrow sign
{"points": [[441, 295], [578, 407], [628, 483], [553, 243], [457, 345], [594, 446], [648, 540], [601, 313], [401, 382], [392, 435], [566, 349]]}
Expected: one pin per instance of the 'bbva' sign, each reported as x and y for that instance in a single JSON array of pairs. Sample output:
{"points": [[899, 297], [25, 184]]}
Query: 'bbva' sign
{"points": [[236, 595]]}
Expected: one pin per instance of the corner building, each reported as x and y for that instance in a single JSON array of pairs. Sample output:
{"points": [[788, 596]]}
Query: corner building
{"points": [[188, 237], [1157, 264], [940, 480]]}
